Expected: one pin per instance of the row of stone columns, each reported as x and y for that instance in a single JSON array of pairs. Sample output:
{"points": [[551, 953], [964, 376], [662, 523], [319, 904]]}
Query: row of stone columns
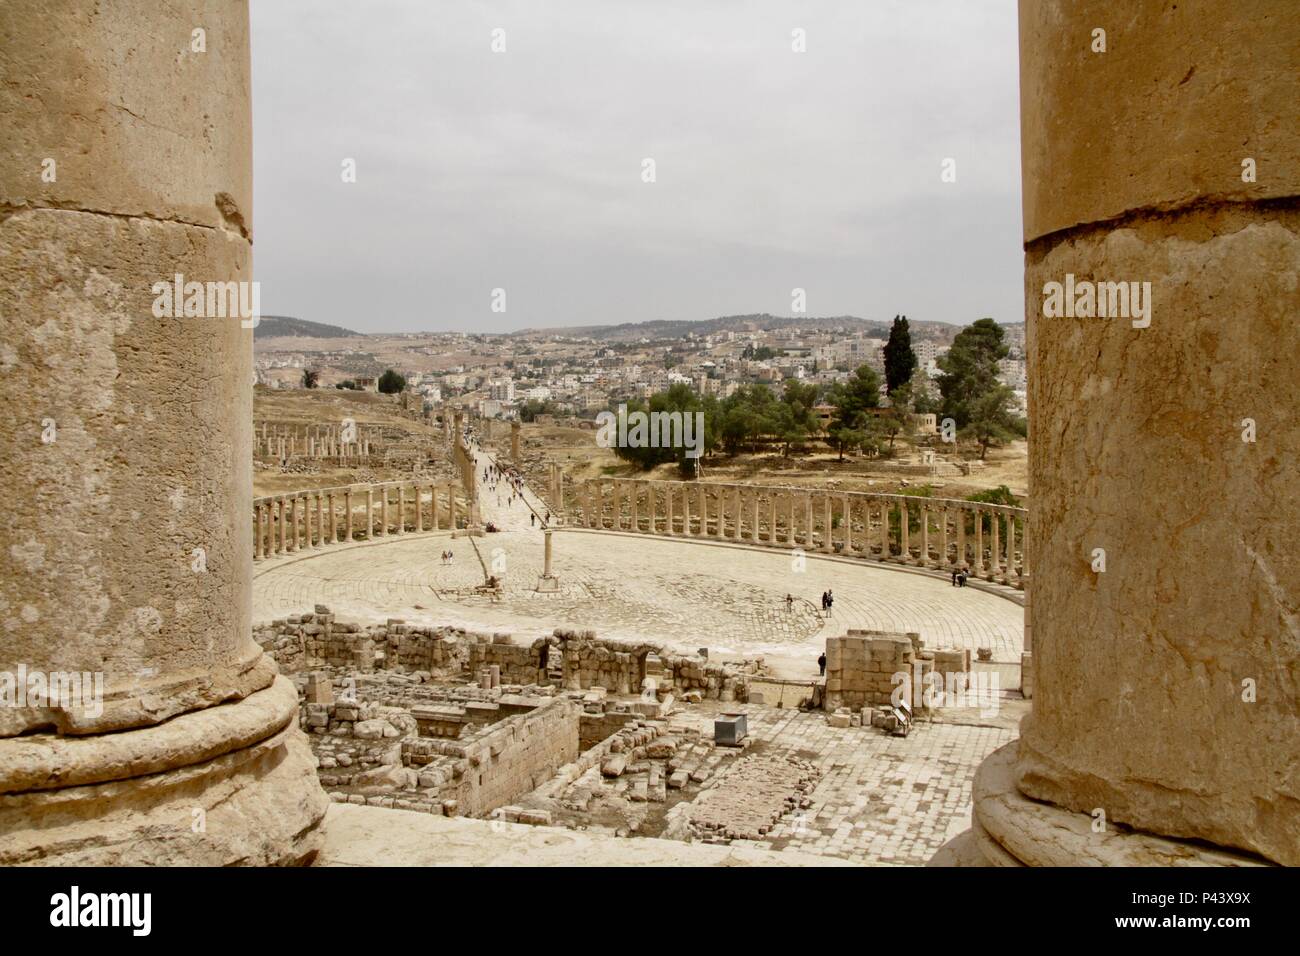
{"points": [[283, 524], [984, 539], [290, 446]]}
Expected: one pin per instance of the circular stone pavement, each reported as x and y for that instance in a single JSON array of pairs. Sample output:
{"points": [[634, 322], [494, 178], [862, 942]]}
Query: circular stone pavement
{"points": [[681, 593]]}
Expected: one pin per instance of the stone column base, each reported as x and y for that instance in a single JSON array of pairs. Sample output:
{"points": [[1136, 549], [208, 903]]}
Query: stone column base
{"points": [[1009, 829], [233, 784], [547, 583]]}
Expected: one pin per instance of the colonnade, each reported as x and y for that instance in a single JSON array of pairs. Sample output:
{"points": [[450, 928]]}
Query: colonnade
{"points": [[314, 518], [986, 540], [314, 441]]}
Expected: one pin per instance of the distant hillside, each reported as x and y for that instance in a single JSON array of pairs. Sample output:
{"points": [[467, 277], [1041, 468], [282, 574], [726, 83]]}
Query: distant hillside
{"points": [[275, 326], [663, 329]]}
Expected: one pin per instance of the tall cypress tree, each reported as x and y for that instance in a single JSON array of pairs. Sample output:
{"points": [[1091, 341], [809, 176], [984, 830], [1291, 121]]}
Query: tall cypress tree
{"points": [[900, 360]]}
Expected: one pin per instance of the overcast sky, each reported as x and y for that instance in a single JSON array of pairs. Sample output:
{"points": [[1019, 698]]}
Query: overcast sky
{"points": [[522, 170]]}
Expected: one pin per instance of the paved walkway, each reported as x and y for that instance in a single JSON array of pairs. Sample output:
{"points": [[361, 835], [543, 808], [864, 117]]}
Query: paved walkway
{"points": [[881, 799], [686, 594]]}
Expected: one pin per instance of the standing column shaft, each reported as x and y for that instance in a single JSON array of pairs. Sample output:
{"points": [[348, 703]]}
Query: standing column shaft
{"points": [[128, 565], [1142, 671]]}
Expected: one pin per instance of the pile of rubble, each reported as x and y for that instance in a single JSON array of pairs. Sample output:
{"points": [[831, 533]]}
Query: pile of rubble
{"points": [[747, 801]]}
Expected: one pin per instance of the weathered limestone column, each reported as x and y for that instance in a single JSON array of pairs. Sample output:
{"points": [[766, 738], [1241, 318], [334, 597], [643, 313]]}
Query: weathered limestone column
{"points": [[808, 520], [904, 532], [548, 580], [771, 517], [257, 531], [293, 523], [347, 521], [828, 521], [668, 507], [1165, 687], [848, 524], [514, 442], [925, 534], [704, 511], [995, 544], [149, 149], [960, 514], [884, 529], [944, 559]]}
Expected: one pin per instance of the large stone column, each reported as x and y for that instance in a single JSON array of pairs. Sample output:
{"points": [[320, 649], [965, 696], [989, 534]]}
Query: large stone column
{"points": [[128, 557], [1166, 687]]}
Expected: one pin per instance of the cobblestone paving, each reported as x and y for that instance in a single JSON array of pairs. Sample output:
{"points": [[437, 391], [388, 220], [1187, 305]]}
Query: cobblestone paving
{"points": [[881, 799], [634, 587]]}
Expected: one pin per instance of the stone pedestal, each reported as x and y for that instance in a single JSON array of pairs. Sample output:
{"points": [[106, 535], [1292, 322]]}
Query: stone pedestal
{"points": [[1165, 685], [127, 557]]}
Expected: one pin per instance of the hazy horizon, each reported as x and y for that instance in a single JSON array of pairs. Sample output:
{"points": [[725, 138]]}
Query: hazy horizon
{"points": [[522, 170]]}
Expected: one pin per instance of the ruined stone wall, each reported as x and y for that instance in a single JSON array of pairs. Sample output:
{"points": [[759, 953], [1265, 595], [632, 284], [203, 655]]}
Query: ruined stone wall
{"points": [[503, 761], [860, 668], [623, 669], [595, 728], [303, 642], [518, 663]]}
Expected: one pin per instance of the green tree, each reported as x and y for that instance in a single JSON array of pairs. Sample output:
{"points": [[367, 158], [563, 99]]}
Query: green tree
{"points": [[898, 419], [530, 409], [853, 425], [678, 398], [797, 417], [970, 369], [390, 383], [922, 393], [991, 419], [900, 360]]}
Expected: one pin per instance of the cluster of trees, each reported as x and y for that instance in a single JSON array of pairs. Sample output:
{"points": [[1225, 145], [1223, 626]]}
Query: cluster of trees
{"points": [[971, 395], [529, 410], [678, 398], [755, 415], [390, 383]]}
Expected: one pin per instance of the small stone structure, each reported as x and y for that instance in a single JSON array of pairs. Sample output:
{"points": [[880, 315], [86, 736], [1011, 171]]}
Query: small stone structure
{"points": [[864, 668]]}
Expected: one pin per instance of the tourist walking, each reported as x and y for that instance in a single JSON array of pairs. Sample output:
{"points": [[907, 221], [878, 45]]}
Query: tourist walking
{"points": [[821, 663]]}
